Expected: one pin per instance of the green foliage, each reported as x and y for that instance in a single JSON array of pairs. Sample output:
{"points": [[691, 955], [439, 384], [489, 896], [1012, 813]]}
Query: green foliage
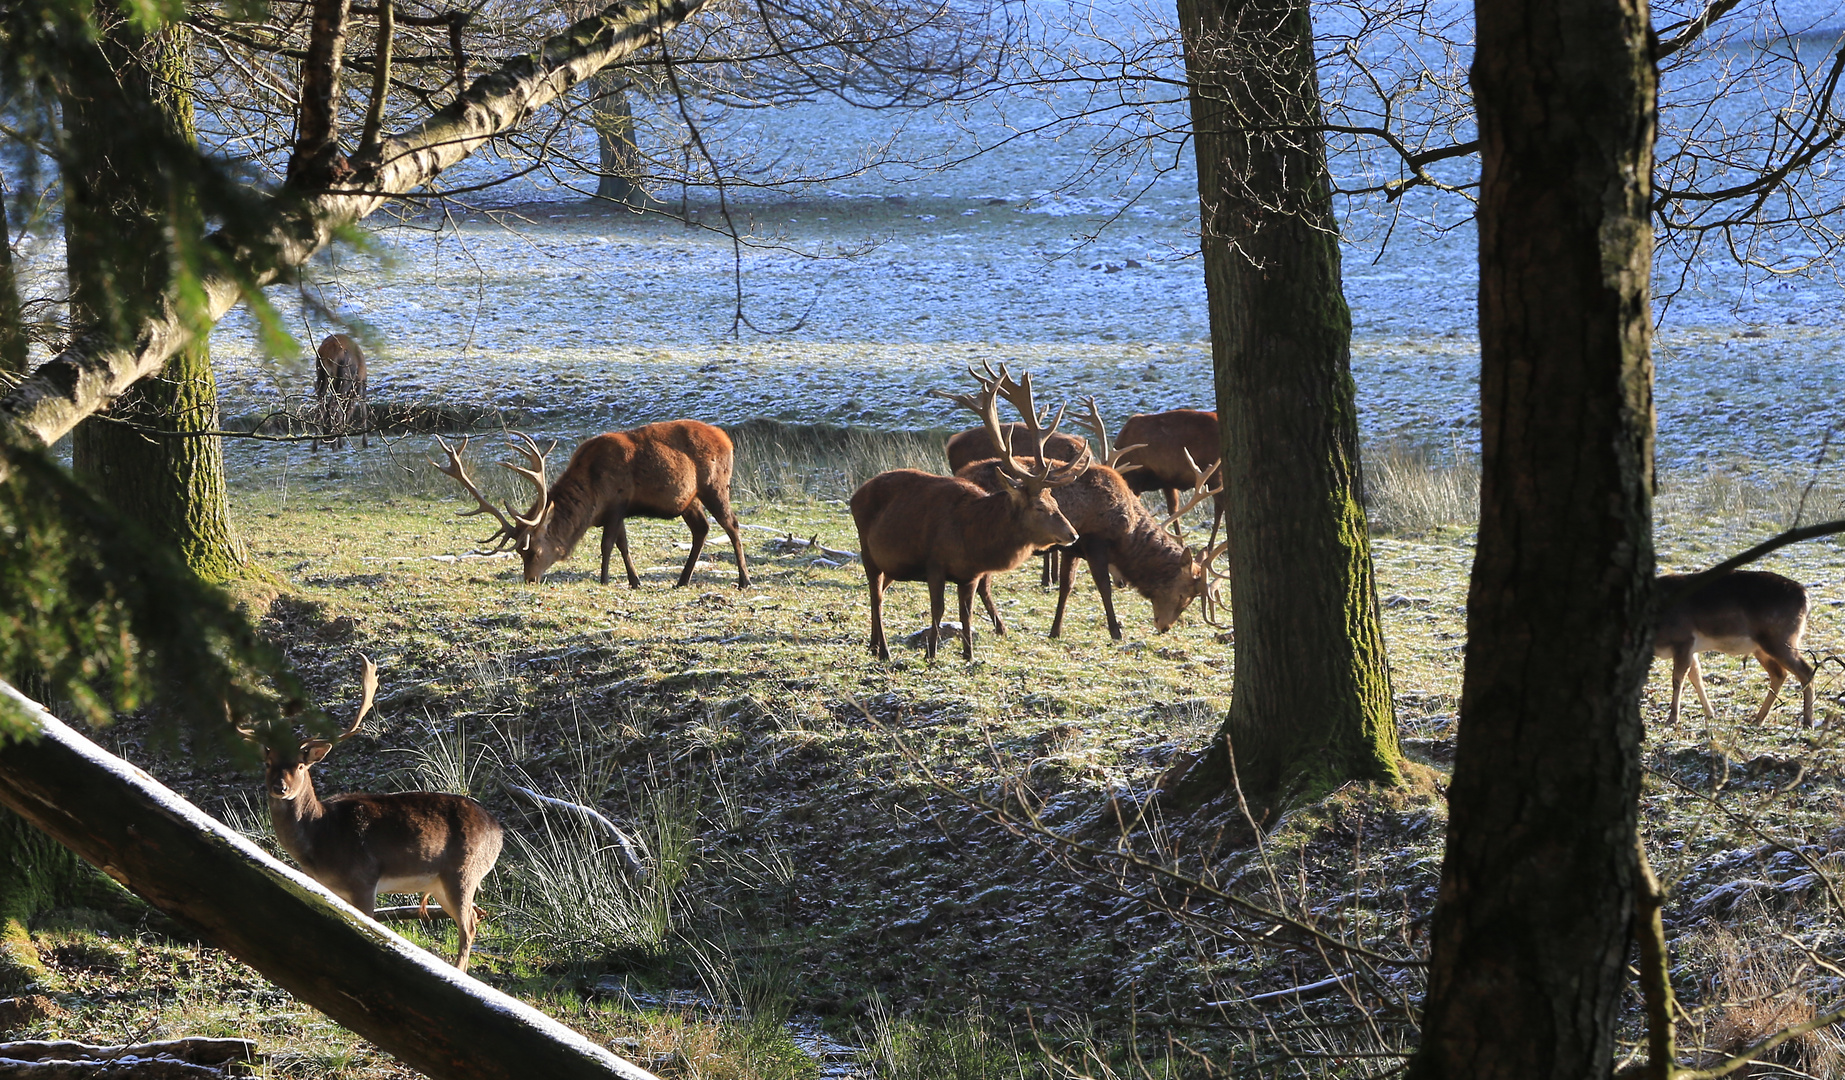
{"points": [[97, 616]]}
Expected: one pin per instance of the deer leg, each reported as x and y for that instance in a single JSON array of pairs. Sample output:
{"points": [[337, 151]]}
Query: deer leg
{"points": [[1097, 553], [1777, 675], [937, 585], [1172, 507], [694, 520], [1049, 571], [1066, 580], [985, 588], [719, 505], [456, 898], [1697, 683], [1682, 660], [620, 528], [876, 580], [966, 589], [1789, 660], [365, 423], [608, 546]]}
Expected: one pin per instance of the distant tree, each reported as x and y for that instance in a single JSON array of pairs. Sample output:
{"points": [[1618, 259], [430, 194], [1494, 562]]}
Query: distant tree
{"points": [[1534, 920], [1311, 705]]}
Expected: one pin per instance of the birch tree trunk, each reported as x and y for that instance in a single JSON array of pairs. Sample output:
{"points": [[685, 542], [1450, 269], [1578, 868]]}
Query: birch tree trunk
{"points": [[1532, 924]]}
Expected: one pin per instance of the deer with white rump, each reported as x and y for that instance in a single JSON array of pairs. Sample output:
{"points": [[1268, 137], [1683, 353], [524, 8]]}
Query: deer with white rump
{"points": [[359, 845], [1740, 613]]}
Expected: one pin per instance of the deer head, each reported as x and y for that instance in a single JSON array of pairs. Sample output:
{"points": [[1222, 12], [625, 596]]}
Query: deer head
{"points": [[285, 769], [529, 533]]}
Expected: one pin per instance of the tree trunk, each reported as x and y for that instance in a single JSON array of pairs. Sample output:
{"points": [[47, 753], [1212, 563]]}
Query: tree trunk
{"points": [[281, 922], [1311, 707], [620, 157], [168, 477], [36, 875], [1532, 924], [13, 341]]}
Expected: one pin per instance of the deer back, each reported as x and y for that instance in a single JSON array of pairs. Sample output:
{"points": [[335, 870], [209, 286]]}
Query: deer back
{"points": [[339, 367], [404, 838], [656, 470], [1732, 614], [1167, 437], [976, 444], [911, 523]]}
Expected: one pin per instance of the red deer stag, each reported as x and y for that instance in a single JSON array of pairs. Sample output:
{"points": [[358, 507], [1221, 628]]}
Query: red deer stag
{"points": [[359, 845], [675, 468], [914, 526], [1172, 449], [339, 392], [976, 444], [1744, 612], [1115, 532]]}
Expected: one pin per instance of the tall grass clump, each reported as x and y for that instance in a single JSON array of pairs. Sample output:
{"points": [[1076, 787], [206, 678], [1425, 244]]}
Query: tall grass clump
{"points": [[779, 462], [1410, 489], [951, 1048], [1735, 495]]}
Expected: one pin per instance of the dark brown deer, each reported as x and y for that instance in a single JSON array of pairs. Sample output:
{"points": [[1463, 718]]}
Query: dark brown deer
{"points": [[1172, 449], [914, 526], [675, 468], [339, 391], [1114, 532], [976, 444], [1741, 613], [359, 845]]}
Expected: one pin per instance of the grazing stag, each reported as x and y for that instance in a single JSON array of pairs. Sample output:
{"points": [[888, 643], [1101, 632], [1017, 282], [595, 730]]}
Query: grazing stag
{"points": [[1173, 449], [1114, 531], [914, 526], [1740, 613], [359, 845], [339, 391], [675, 468]]}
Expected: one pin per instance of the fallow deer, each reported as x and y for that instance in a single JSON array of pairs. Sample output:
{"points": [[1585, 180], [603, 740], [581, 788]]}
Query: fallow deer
{"points": [[675, 468], [359, 845], [1174, 449], [339, 391], [1114, 532], [914, 526], [1740, 613]]}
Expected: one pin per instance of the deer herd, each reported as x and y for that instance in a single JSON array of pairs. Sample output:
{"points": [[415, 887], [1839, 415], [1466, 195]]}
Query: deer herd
{"points": [[1017, 488]]}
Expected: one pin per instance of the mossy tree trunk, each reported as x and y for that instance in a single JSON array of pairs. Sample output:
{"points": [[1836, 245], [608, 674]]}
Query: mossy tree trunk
{"points": [[1311, 707], [38, 874], [147, 457], [1533, 921]]}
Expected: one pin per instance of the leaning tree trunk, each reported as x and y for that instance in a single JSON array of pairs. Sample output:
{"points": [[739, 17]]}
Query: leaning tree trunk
{"points": [[1532, 924], [148, 457], [620, 165], [1311, 707]]}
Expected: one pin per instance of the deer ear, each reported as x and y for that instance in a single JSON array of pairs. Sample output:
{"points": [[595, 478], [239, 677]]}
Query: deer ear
{"points": [[313, 750]]}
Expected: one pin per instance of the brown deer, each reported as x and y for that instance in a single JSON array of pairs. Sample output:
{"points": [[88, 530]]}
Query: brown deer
{"points": [[675, 468], [1740, 613], [359, 845], [976, 444], [1172, 449], [914, 526], [339, 391]]}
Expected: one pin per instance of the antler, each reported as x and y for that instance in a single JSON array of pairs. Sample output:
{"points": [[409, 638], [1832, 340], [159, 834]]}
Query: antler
{"points": [[1109, 457], [536, 474], [368, 686], [997, 384], [1199, 492], [1211, 597], [508, 531]]}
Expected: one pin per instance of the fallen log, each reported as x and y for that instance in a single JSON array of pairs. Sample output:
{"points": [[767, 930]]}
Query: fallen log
{"points": [[279, 921]]}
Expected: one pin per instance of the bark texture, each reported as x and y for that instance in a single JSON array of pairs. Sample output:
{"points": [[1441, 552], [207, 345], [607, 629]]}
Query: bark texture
{"points": [[620, 157], [281, 922], [167, 476], [1312, 706], [1532, 924], [99, 366]]}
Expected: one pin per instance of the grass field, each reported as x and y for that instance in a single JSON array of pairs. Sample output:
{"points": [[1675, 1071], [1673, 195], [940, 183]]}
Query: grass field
{"points": [[817, 853]]}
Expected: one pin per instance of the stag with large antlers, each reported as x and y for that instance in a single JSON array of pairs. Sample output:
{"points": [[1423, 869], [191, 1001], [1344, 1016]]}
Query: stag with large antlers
{"points": [[676, 468], [359, 845], [914, 526]]}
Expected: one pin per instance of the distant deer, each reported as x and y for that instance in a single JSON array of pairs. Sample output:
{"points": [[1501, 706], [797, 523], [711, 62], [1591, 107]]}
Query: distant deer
{"points": [[675, 468], [1741, 613], [914, 526], [1172, 449], [339, 391], [359, 845]]}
